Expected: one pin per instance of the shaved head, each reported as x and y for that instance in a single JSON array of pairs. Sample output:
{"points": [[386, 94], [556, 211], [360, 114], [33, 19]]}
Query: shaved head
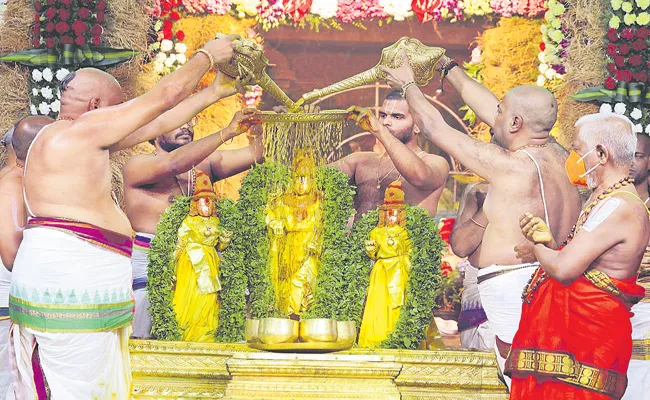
{"points": [[25, 132], [537, 106], [88, 89]]}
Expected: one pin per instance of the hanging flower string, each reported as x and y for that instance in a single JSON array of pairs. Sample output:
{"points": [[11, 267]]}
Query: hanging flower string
{"points": [[168, 49]]}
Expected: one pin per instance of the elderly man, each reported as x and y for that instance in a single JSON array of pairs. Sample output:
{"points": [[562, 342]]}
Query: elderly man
{"points": [[638, 373], [574, 338], [465, 240], [12, 221], [74, 259], [525, 173], [423, 175]]}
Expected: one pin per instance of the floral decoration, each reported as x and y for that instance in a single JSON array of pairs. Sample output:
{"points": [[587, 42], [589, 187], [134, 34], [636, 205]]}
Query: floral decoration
{"points": [[45, 98], [168, 49], [554, 44]]}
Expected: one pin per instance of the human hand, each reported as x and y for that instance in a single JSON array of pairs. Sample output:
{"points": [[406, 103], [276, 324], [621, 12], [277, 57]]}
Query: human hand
{"points": [[221, 49], [371, 246], [535, 229], [525, 252], [225, 236], [227, 86], [480, 192], [365, 118], [313, 247], [276, 227], [398, 77], [243, 121]]}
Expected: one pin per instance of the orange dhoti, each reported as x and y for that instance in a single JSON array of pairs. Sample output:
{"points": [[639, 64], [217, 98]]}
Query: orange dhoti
{"points": [[574, 342]]}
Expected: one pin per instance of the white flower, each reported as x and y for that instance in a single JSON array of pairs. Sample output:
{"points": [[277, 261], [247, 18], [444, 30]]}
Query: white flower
{"points": [[477, 57], [398, 9], [543, 68], [541, 80], [166, 45], [34, 91], [636, 113], [161, 57], [158, 67], [541, 56], [58, 93], [181, 59], [180, 48], [47, 92], [170, 60], [620, 108], [61, 74], [647, 129], [324, 8], [34, 111], [37, 75], [606, 108], [44, 108], [48, 75], [550, 73], [56, 106], [638, 128]]}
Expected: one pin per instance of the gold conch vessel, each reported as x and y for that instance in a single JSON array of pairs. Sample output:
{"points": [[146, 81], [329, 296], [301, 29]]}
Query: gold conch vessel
{"points": [[248, 61], [421, 58]]}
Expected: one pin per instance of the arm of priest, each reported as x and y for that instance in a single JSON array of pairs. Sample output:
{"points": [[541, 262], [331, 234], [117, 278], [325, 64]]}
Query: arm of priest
{"points": [[467, 235], [13, 218]]}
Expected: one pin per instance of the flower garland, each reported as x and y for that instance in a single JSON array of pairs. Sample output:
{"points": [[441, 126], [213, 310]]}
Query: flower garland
{"points": [[168, 49], [45, 96], [66, 22], [553, 46], [424, 277]]}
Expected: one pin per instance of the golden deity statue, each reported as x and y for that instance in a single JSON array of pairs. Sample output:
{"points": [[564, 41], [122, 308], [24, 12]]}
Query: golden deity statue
{"points": [[294, 222], [196, 300], [390, 247]]}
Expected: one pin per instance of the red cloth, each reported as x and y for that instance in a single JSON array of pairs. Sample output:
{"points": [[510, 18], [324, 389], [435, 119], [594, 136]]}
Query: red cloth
{"points": [[584, 325]]}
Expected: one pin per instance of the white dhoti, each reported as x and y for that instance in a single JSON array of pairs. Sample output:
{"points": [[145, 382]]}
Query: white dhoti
{"points": [[638, 372], [475, 332], [72, 308], [501, 287], [5, 371], [140, 263]]}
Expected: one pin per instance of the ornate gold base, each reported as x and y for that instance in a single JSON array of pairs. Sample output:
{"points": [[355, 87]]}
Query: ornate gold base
{"points": [[181, 370]]}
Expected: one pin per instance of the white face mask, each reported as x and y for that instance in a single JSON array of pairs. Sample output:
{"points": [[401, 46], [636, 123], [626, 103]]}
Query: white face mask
{"points": [[592, 168]]}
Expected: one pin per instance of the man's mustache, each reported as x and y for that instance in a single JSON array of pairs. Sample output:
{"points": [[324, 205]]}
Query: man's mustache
{"points": [[184, 132]]}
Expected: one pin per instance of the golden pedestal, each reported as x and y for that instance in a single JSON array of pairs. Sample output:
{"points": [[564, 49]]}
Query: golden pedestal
{"points": [[180, 370]]}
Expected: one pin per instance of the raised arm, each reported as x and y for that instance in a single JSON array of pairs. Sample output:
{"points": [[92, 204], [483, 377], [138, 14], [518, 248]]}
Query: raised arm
{"points": [[424, 175], [143, 170], [12, 220], [221, 87], [226, 163], [110, 125], [467, 235], [485, 159], [479, 98]]}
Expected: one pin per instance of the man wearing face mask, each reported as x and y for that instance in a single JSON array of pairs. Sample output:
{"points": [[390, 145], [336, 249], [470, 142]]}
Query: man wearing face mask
{"points": [[152, 181], [574, 339], [639, 371], [423, 175], [525, 172]]}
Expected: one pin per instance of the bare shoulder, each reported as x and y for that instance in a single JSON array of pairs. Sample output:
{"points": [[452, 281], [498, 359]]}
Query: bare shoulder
{"points": [[11, 183], [434, 160]]}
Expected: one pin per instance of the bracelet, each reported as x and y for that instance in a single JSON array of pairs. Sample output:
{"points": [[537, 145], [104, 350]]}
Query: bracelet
{"points": [[223, 141], [444, 71], [446, 64], [207, 53], [474, 221], [405, 88]]}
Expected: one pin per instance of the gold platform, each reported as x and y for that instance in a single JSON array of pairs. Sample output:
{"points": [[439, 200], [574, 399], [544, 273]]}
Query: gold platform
{"points": [[181, 370]]}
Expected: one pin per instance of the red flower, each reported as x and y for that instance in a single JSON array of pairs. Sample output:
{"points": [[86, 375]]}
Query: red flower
{"points": [[167, 25], [37, 42], [445, 268], [100, 17], [611, 50], [49, 42], [101, 5], [542, 46], [62, 27], [64, 14], [647, 65], [66, 2], [80, 41], [624, 49], [620, 61], [66, 39], [38, 6], [624, 75], [83, 13], [168, 35], [85, 1], [174, 16], [49, 27], [180, 35], [643, 32], [635, 60], [640, 76], [37, 18], [610, 83], [51, 12], [79, 27], [97, 41], [50, 2], [166, 7], [96, 30], [611, 68], [639, 45], [37, 29], [612, 35], [627, 34]]}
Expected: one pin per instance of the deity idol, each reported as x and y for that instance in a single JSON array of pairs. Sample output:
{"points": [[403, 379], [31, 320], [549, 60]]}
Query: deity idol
{"points": [[294, 222], [390, 247], [196, 301]]}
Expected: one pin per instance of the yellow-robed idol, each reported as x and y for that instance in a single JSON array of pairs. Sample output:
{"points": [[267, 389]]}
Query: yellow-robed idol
{"points": [[390, 247], [196, 300], [294, 223]]}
